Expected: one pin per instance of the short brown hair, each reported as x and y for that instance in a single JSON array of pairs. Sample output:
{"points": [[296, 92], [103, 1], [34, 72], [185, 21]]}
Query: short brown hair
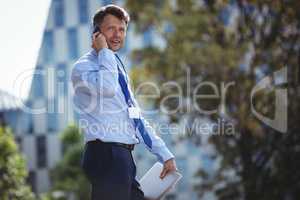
{"points": [[113, 10]]}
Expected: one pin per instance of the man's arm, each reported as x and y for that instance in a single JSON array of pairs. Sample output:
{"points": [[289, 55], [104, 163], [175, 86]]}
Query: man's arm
{"points": [[159, 149], [101, 79]]}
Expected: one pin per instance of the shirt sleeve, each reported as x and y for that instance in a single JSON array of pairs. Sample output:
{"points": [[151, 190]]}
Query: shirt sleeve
{"points": [[101, 79], [159, 148]]}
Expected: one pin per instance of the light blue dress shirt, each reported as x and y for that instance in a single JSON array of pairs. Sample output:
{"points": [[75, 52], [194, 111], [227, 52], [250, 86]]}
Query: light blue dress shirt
{"points": [[100, 103]]}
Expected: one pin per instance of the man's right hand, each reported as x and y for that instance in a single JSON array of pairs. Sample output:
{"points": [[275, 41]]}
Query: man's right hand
{"points": [[99, 41], [169, 166]]}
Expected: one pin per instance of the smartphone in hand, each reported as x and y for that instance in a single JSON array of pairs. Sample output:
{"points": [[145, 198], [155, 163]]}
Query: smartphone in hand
{"points": [[96, 29]]}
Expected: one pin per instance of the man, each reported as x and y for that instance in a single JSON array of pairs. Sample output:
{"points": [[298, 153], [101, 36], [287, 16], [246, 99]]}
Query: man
{"points": [[108, 109]]}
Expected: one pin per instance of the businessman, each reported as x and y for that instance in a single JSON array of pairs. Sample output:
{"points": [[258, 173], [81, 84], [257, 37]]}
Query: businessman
{"points": [[113, 122]]}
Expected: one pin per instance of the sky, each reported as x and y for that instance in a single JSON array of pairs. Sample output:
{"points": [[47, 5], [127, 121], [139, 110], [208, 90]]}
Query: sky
{"points": [[22, 23]]}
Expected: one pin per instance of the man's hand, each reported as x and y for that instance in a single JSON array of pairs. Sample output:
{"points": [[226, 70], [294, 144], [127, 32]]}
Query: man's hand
{"points": [[169, 166], [99, 41]]}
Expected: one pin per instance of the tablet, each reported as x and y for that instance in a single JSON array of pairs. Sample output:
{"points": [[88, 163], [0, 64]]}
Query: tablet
{"points": [[153, 186]]}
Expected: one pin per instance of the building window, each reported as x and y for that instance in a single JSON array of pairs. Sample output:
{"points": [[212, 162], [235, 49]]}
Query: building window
{"points": [[52, 122], [31, 180], [19, 143], [29, 117], [72, 43], [83, 10], [30, 129], [38, 83], [48, 47], [59, 14], [41, 151]]}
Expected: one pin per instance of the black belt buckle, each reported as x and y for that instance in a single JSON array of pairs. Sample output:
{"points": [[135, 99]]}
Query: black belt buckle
{"points": [[131, 147]]}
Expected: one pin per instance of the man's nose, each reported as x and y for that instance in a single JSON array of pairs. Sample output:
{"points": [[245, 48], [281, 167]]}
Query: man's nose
{"points": [[117, 33]]}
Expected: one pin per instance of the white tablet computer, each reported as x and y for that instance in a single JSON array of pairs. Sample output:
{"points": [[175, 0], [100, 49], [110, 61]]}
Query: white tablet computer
{"points": [[153, 186]]}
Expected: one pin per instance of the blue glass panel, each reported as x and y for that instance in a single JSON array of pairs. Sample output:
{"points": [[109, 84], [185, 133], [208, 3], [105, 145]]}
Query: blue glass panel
{"points": [[41, 151], [59, 12], [83, 11], [72, 43], [38, 83], [48, 47], [52, 120]]}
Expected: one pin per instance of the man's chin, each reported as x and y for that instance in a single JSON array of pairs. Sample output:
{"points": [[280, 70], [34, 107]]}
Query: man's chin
{"points": [[114, 48]]}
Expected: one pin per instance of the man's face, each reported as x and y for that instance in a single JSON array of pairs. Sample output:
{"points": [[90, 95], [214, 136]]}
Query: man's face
{"points": [[114, 31]]}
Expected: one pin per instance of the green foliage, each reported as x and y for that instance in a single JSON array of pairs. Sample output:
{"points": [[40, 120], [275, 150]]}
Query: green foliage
{"points": [[71, 137], [12, 170], [257, 156], [67, 177]]}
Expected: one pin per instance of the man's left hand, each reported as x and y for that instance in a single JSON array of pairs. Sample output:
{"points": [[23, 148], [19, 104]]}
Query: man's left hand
{"points": [[169, 166]]}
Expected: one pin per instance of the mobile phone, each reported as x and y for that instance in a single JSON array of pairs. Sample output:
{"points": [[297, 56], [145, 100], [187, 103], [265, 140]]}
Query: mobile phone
{"points": [[96, 29]]}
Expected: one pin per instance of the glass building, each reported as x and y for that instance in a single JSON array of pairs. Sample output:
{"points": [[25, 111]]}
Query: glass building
{"points": [[66, 37]]}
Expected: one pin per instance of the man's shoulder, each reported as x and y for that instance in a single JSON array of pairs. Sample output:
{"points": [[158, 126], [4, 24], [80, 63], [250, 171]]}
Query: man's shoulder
{"points": [[85, 62], [87, 57]]}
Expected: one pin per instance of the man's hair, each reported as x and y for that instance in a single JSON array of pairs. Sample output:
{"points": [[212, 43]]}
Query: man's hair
{"points": [[110, 9]]}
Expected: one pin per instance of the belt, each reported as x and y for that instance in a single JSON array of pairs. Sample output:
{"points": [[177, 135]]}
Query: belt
{"points": [[130, 147]]}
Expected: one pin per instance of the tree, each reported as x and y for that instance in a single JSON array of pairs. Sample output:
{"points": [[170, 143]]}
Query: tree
{"points": [[261, 40], [67, 177], [12, 170]]}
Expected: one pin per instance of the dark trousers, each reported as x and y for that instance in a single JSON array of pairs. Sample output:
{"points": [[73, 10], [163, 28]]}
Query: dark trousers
{"points": [[111, 171]]}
